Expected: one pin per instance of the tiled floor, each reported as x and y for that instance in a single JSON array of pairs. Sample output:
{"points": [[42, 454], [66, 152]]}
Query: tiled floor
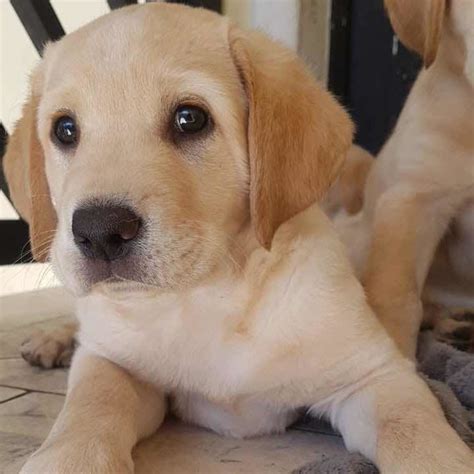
{"points": [[31, 398]]}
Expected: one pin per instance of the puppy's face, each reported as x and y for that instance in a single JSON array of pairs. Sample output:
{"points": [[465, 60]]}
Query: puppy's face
{"points": [[144, 134], [156, 136]]}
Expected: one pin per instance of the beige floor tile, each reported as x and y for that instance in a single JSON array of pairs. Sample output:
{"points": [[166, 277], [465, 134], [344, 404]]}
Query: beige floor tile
{"points": [[6, 393], [178, 448], [31, 415], [16, 373], [21, 309], [24, 423]]}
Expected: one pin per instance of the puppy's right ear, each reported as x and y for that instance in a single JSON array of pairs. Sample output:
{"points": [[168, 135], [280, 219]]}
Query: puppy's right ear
{"points": [[24, 169], [418, 24]]}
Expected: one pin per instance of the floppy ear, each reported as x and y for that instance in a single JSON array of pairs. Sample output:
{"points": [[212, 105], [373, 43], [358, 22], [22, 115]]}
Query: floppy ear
{"points": [[298, 134], [418, 24], [25, 173]]}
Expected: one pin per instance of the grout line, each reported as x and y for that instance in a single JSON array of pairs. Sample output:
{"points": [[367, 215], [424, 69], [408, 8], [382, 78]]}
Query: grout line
{"points": [[32, 390], [14, 397], [308, 429]]}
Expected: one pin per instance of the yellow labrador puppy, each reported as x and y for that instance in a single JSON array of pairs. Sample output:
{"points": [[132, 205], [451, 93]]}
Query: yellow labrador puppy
{"points": [[414, 240], [183, 161]]}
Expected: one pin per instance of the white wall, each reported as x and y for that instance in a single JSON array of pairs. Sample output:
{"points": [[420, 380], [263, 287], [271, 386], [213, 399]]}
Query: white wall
{"points": [[278, 18]]}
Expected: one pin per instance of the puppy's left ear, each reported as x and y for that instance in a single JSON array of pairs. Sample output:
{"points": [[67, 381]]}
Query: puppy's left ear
{"points": [[298, 134]]}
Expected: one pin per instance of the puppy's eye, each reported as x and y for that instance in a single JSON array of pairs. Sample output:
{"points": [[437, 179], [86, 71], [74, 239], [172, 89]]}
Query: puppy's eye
{"points": [[190, 119], [65, 131]]}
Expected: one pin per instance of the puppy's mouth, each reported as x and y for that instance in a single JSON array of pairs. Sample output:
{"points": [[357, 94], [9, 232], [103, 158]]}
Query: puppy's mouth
{"points": [[120, 286], [116, 276]]}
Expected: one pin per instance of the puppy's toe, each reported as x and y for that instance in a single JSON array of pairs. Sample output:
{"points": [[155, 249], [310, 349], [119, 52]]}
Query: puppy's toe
{"points": [[47, 351], [457, 329], [64, 358]]}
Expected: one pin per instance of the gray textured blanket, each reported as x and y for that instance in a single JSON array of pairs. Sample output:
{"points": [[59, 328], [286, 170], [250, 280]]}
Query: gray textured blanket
{"points": [[450, 375]]}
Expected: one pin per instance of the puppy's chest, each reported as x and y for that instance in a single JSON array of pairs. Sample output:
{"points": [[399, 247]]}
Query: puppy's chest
{"points": [[179, 346]]}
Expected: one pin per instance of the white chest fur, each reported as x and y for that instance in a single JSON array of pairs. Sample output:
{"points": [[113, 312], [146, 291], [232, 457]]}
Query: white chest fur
{"points": [[276, 333]]}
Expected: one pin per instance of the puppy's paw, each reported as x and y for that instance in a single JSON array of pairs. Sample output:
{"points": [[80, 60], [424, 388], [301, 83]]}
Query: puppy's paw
{"points": [[49, 349], [456, 328], [79, 456]]}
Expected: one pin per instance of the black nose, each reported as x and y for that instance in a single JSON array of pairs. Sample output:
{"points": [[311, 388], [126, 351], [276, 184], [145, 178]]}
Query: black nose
{"points": [[105, 232]]}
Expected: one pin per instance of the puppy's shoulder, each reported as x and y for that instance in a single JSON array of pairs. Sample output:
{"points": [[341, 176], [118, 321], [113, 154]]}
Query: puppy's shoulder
{"points": [[306, 245]]}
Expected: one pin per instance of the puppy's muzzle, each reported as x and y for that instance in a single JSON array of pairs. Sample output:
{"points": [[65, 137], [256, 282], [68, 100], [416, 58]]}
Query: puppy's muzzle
{"points": [[105, 232]]}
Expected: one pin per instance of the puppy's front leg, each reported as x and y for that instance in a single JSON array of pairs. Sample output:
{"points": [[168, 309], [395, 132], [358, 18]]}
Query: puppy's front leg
{"points": [[105, 413], [407, 229], [395, 421]]}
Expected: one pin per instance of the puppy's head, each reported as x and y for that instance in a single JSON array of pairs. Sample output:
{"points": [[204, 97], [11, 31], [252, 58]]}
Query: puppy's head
{"points": [[422, 25], [156, 135]]}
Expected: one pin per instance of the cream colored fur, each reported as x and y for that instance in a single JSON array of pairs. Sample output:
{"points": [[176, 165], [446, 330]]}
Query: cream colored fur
{"points": [[413, 242], [245, 307]]}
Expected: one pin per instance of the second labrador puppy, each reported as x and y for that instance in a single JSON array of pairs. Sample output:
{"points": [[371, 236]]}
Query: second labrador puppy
{"points": [[180, 160], [413, 242]]}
